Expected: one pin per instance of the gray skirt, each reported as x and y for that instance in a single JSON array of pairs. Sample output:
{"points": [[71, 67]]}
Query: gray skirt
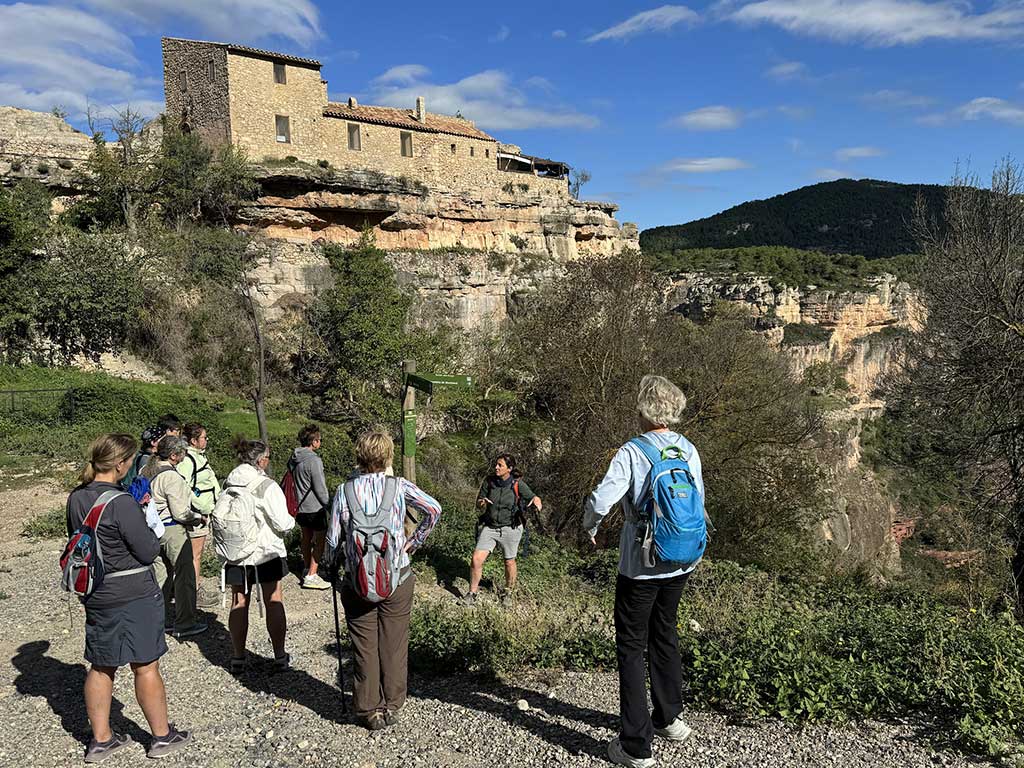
{"points": [[132, 633]]}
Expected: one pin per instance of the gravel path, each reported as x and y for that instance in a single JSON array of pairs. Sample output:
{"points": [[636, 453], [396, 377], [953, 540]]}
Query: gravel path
{"points": [[294, 718]]}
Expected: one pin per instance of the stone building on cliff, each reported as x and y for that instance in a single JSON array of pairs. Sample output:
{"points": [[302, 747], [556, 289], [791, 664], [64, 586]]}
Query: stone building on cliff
{"points": [[275, 105]]}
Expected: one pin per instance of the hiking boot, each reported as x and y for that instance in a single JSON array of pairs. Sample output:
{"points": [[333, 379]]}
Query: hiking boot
{"points": [[205, 599], [390, 718], [375, 722], [281, 663], [238, 665], [101, 750], [196, 629], [619, 756], [315, 582], [677, 730], [162, 746], [469, 600]]}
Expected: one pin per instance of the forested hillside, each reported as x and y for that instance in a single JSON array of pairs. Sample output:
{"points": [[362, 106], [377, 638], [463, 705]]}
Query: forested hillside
{"points": [[866, 217]]}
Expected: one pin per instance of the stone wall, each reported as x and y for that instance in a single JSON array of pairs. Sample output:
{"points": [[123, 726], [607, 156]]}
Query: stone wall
{"points": [[196, 87]]}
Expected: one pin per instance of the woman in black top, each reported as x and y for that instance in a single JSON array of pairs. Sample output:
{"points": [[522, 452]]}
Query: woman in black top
{"points": [[124, 616], [502, 501]]}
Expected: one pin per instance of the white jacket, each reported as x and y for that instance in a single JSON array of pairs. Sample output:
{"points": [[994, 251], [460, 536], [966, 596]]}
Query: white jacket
{"points": [[275, 521]]}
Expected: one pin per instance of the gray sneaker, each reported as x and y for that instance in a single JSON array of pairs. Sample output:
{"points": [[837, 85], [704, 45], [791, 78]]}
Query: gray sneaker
{"points": [[206, 599], [620, 756], [196, 629], [469, 600], [315, 582], [677, 730], [162, 746], [101, 750]]}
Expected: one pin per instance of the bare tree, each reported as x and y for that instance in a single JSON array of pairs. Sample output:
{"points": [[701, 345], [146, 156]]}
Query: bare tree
{"points": [[580, 176]]}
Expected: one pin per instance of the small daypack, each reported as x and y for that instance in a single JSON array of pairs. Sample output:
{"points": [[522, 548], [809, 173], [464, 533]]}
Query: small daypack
{"points": [[141, 490], [194, 481], [291, 493], [671, 509], [235, 520], [375, 572], [81, 564]]}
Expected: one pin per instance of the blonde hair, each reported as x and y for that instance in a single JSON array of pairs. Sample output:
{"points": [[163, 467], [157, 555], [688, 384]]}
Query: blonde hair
{"points": [[375, 450], [660, 401], [105, 453]]}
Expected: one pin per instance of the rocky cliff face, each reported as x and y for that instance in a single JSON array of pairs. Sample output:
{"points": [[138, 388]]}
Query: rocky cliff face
{"points": [[40, 145]]}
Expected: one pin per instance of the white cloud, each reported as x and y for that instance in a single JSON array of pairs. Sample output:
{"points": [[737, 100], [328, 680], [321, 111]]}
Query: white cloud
{"points": [[831, 174], [501, 35], [787, 70], [933, 120], [794, 113], [897, 99], [237, 21], [993, 109], [855, 153], [884, 22], [489, 98], [703, 165], [559, 34], [716, 118], [796, 146], [657, 20], [402, 74]]}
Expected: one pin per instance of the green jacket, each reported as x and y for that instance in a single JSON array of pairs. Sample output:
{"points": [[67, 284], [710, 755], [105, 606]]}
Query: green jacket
{"points": [[202, 481], [503, 510]]}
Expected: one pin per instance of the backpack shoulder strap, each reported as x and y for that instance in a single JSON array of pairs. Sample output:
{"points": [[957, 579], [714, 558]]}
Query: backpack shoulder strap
{"points": [[515, 489], [648, 449], [195, 468], [350, 496], [390, 492]]}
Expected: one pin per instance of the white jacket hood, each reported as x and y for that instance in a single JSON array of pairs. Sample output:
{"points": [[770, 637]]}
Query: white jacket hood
{"points": [[275, 521]]}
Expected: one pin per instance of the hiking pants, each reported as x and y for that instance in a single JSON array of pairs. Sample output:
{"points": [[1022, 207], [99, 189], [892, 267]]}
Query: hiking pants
{"points": [[176, 575], [645, 619], [380, 639]]}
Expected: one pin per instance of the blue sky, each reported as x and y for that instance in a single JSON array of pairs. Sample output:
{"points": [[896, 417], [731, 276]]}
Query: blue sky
{"points": [[678, 111]]}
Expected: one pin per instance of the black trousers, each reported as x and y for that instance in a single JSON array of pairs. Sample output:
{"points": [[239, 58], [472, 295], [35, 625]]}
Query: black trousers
{"points": [[645, 619]]}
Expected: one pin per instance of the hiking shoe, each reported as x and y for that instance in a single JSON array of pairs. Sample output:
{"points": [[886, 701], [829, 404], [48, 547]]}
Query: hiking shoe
{"points": [[281, 663], [101, 750], [677, 730], [315, 582], [390, 718], [205, 599], [619, 756], [162, 746], [237, 665], [469, 600], [375, 722], [196, 629]]}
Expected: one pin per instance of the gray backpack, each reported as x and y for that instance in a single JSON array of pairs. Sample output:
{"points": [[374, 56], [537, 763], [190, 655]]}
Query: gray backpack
{"points": [[374, 571]]}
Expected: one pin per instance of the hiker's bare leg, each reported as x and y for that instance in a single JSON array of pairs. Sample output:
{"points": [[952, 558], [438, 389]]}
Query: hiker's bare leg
{"points": [[277, 623], [197, 556], [510, 574], [316, 551], [238, 620], [307, 550], [99, 688], [150, 693], [476, 568]]}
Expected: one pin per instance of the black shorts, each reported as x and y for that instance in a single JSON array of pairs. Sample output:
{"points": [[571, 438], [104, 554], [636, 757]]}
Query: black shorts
{"points": [[264, 573], [132, 633], [315, 521]]}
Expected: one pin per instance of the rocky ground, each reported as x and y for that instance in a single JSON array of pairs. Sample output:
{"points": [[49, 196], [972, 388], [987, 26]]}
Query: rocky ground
{"points": [[294, 718]]}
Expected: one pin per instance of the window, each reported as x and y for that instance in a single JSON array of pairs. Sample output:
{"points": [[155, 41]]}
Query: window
{"points": [[212, 71], [453, 149], [472, 151], [487, 153], [279, 73], [406, 144], [183, 80], [284, 134], [354, 140]]}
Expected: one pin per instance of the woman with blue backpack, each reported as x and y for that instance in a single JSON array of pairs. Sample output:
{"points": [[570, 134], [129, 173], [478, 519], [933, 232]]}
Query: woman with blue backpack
{"points": [[657, 478], [366, 538], [124, 610]]}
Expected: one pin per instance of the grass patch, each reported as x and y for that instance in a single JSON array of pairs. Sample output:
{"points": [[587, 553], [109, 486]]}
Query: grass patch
{"points": [[48, 525], [4, 595]]}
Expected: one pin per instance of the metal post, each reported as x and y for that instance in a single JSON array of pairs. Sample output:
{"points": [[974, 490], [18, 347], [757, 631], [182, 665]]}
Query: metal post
{"points": [[409, 425]]}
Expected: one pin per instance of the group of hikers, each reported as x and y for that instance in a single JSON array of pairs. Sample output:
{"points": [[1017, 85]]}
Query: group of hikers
{"points": [[140, 517]]}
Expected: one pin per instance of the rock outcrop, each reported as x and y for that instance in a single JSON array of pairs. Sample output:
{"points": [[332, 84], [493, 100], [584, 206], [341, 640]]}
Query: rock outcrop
{"points": [[40, 145]]}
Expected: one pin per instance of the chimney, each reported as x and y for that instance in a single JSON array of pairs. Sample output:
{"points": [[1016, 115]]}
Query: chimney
{"points": [[421, 110], [352, 103]]}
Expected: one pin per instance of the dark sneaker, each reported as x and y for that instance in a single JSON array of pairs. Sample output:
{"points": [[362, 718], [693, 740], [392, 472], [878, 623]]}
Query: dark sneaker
{"points": [[282, 663], [238, 665], [98, 750], [375, 722], [196, 629], [390, 718], [162, 746]]}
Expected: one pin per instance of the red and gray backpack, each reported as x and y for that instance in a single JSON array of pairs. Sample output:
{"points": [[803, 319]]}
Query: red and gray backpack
{"points": [[81, 565], [376, 570]]}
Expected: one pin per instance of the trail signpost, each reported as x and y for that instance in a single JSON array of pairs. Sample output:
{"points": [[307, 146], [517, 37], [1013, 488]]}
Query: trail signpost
{"points": [[426, 383]]}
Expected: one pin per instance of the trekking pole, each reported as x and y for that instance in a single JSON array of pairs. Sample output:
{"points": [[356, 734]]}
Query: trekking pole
{"points": [[337, 646]]}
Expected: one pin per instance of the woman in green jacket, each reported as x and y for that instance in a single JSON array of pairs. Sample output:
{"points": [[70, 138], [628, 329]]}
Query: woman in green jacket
{"points": [[202, 480], [502, 500]]}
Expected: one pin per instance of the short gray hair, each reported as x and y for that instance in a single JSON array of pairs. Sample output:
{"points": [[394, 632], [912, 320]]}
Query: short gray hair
{"points": [[171, 445], [660, 401]]}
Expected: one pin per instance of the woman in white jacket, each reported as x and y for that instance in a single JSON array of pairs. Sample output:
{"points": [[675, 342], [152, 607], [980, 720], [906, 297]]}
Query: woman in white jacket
{"points": [[267, 565]]}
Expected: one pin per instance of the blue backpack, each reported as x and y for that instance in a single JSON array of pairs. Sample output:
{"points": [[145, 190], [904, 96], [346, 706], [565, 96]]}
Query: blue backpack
{"points": [[671, 507]]}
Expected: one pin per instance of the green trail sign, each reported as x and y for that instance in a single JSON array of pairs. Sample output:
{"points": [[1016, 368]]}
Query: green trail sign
{"points": [[426, 383]]}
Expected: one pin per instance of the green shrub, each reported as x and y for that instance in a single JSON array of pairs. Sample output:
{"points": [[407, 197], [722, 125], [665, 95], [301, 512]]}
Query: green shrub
{"points": [[800, 334], [16, 165], [48, 525], [43, 168], [66, 164]]}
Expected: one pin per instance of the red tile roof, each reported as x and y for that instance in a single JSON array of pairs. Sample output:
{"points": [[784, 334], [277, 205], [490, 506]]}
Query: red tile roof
{"points": [[403, 118]]}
